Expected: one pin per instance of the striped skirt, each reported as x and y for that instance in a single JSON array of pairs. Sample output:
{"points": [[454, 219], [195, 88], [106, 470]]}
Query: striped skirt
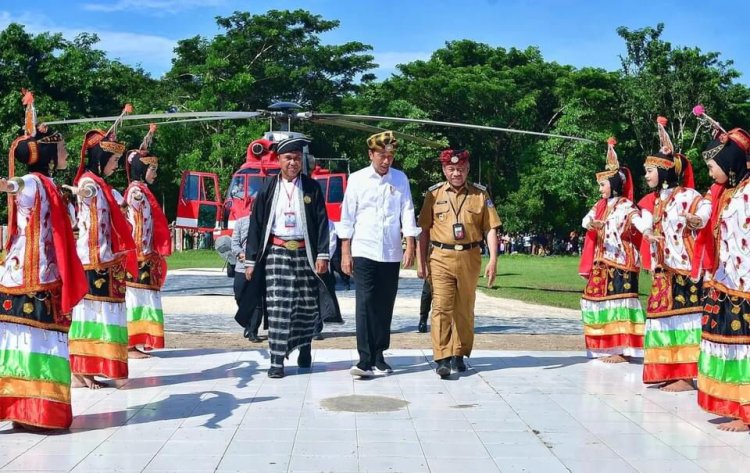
{"points": [[99, 339], [673, 328], [724, 362], [34, 376], [292, 302], [613, 319], [145, 317]]}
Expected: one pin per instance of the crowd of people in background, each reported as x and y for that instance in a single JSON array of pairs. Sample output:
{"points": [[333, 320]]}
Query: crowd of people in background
{"points": [[539, 244]]}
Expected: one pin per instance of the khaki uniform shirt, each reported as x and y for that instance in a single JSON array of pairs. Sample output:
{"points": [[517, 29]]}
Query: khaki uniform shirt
{"points": [[440, 211]]}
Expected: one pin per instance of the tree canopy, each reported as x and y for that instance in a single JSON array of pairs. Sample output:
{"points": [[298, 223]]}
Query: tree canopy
{"points": [[538, 184]]}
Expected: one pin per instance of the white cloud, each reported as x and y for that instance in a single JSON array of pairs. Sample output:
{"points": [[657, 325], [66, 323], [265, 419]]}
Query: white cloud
{"points": [[133, 48], [159, 6], [152, 52]]}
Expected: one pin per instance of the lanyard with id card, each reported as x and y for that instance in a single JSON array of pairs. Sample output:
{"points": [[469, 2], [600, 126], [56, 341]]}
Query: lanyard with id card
{"points": [[459, 232], [290, 216]]}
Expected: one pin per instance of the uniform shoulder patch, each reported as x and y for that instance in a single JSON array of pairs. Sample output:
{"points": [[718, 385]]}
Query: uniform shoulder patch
{"points": [[479, 186], [436, 186]]}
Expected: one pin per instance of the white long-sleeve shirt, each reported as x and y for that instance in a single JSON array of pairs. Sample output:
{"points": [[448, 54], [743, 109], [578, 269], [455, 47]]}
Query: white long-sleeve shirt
{"points": [[332, 238], [375, 212], [288, 201], [676, 252]]}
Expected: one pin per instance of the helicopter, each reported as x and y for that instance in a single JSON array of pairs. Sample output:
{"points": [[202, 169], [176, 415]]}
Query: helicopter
{"points": [[200, 206]]}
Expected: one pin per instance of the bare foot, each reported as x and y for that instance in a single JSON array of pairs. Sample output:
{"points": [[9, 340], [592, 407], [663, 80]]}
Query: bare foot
{"points": [[615, 359], [77, 382], [734, 426], [678, 386], [136, 354], [85, 381]]}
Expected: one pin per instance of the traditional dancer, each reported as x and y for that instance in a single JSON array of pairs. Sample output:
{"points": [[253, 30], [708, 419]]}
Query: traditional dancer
{"points": [[612, 315], [153, 244], [99, 333], [723, 248], [671, 216], [41, 279]]}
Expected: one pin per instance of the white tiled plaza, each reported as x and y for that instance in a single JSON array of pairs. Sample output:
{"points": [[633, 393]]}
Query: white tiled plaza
{"points": [[547, 412]]}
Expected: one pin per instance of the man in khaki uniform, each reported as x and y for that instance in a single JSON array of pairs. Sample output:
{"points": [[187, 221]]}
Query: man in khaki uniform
{"points": [[455, 217]]}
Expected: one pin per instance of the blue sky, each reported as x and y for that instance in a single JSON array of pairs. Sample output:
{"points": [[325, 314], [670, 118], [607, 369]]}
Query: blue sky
{"points": [[581, 33]]}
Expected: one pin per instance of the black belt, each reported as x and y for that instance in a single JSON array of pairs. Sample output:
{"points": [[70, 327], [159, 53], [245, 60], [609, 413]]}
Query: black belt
{"points": [[457, 246]]}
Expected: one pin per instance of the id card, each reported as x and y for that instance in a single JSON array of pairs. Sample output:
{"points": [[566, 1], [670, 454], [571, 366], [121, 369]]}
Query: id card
{"points": [[458, 231], [290, 220]]}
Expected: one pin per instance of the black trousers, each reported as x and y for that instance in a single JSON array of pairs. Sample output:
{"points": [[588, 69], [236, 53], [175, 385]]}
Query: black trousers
{"points": [[376, 288], [330, 282], [426, 303], [257, 318]]}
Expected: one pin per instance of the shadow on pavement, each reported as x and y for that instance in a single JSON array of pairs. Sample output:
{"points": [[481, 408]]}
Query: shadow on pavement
{"points": [[524, 361], [242, 370], [219, 405]]}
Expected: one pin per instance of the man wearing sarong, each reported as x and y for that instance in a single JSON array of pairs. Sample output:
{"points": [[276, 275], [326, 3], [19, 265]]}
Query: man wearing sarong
{"points": [[288, 247]]}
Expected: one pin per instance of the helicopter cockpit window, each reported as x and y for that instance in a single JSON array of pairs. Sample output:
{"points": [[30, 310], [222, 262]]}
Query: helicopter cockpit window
{"points": [[253, 186], [237, 187], [210, 191], [192, 188], [335, 189]]}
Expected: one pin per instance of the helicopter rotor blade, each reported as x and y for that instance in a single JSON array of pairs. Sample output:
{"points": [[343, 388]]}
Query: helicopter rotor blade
{"points": [[375, 129], [311, 115], [202, 119], [159, 116]]}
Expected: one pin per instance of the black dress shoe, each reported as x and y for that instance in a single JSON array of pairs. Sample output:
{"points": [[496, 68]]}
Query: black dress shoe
{"points": [[422, 327], [254, 339], [304, 359], [458, 364], [443, 368], [276, 372]]}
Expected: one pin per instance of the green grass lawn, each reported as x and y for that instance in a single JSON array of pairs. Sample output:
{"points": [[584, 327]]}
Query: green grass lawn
{"points": [[551, 280], [195, 259]]}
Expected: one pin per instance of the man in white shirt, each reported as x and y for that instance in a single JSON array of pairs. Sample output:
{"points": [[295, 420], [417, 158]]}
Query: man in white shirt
{"points": [[376, 211]]}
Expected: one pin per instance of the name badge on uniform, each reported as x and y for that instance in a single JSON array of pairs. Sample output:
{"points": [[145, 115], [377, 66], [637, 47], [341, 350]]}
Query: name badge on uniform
{"points": [[458, 231], [290, 219]]}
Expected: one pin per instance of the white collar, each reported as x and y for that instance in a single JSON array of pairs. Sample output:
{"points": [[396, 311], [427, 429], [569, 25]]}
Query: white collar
{"points": [[374, 173]]}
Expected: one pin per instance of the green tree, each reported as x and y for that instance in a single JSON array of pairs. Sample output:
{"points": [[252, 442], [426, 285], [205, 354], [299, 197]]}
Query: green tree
{"points": [[70, 79], [661, 79], [256, 60]]}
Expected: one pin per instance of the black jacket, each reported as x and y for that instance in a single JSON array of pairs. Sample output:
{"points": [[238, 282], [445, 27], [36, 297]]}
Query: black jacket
{"points": [[258, 235]]}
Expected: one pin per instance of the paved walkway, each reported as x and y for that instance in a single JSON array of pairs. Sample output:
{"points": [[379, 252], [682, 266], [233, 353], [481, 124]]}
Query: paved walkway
{"points": [[546, 412], [201, 300]]}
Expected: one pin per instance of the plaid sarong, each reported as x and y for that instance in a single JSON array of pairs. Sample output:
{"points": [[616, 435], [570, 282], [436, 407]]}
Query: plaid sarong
{"points": [[292, 302]]}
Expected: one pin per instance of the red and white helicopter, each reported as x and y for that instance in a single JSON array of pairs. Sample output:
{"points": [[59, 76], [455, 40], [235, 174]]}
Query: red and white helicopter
{"points": [[200, 205]]}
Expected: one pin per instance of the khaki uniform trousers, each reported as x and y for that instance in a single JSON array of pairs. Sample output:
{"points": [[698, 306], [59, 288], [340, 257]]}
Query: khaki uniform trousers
{"points": [[454, 276]]}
